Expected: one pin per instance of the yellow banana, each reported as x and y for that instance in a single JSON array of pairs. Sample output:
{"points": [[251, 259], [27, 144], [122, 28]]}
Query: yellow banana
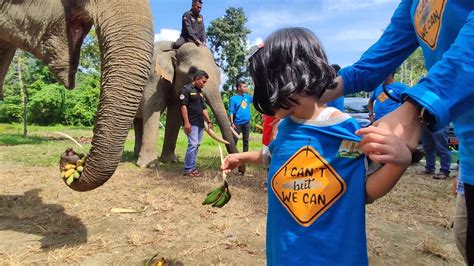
{"points": [[63, 174], [70, 180], [80, 168], [69, 173], [69, 166]]}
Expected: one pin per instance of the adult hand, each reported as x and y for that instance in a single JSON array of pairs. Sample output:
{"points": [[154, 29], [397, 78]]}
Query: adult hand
{"points": [[210, 125], [383, 146], [187, 128], [404, 123]]}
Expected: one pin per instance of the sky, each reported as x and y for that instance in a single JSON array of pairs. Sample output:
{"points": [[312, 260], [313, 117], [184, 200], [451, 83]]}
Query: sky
{"points": [[346, 28]]}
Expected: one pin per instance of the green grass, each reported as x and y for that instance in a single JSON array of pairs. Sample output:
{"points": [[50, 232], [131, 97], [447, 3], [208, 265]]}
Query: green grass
{"points": [[43, 148]]}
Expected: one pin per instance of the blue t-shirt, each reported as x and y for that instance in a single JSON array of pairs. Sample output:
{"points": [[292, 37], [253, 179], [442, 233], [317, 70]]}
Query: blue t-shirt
{"points": [[316, 199], [239, 106], [337, 103], [445, 32], [383, 104]]}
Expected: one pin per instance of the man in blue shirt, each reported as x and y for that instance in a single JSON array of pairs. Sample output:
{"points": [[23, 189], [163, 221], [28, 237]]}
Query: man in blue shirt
{"points": [[239, 110], [444, 29], [385, 98]]}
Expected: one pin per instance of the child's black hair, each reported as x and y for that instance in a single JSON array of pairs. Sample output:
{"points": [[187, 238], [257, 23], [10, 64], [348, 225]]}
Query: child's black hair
{"points": [[291, 62]]}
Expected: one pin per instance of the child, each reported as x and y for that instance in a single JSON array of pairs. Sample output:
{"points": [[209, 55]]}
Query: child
{"points": [[317, 177]]}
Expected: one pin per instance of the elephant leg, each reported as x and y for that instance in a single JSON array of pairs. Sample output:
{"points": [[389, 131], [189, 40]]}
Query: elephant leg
{"points": [[173, 124], [154, 104], [138, 128], [6, 55]]}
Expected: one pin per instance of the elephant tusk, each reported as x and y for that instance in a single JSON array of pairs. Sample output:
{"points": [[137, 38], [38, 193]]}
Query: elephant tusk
{"points": [[235, 133], [213, 135]]}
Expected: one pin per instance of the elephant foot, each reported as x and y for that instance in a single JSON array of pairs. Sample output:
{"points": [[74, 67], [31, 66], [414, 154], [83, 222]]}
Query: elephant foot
{"points": [[150, 163], [168, 158]]}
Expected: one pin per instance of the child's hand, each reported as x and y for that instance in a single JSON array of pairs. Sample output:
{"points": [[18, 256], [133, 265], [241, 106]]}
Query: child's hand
{"points": [[382, 146], [231, 161]]}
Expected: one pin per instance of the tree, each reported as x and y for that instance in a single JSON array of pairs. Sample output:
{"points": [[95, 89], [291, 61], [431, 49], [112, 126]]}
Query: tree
{"points": [[227, 36], [413, 69]]}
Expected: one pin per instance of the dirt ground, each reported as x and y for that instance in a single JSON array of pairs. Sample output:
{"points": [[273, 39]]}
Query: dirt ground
{"points": [[43, 222]]}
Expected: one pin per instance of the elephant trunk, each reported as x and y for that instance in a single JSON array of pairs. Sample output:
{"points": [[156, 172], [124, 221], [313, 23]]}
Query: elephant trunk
{"points": [[125, 34], [215, 102]]}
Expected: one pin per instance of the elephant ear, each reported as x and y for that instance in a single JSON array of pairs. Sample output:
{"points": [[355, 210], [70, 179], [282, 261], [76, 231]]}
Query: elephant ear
{"points": [[165, 65]]}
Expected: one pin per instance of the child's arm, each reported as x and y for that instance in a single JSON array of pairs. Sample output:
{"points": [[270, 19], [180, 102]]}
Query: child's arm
{"points": [[234, 160], [396, 158]]}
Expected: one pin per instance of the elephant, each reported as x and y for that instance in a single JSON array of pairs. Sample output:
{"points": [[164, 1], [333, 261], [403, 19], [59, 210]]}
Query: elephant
{"points": [[172, 69], [54, 30]]}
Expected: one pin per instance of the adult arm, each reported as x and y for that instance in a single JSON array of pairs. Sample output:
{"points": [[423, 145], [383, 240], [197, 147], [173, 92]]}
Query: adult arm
{"points": [[232, 111], [206, 117], [184, 100], [184, 114], [446, 91]]}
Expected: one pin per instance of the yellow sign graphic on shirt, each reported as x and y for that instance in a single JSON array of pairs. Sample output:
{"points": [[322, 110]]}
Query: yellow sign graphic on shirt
{"points": [[307, 185], [243, 105], [428, 19]]}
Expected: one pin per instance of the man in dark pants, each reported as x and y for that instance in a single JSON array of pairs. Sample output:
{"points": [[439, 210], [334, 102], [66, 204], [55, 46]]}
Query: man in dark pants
{"points": [[194, 114], [239, 110], [192, 27]]}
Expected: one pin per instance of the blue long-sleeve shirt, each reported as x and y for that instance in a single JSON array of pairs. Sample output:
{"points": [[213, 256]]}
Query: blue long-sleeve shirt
{"points": [[445, 32], [239, 107]]}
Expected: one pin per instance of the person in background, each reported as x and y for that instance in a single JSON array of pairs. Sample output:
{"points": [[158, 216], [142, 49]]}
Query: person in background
{"points": [[239, 113], [192, 26], [194, 114], [385, 98], [338, 102], [436, 143], [460, 217]]}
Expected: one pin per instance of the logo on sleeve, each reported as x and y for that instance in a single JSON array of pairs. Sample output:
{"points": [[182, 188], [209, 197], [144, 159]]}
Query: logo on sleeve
{"points": [[382, 97], [307, 186], [181, 97], [428, 19]]}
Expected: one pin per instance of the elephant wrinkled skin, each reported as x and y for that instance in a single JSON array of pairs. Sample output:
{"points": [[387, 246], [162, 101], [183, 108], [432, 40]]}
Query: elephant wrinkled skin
{"points": [[53, 31], [171, 73]]}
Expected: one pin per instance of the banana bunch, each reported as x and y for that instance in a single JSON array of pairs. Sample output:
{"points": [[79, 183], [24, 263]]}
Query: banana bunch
{"points": [[71, 170], [219, 196]]}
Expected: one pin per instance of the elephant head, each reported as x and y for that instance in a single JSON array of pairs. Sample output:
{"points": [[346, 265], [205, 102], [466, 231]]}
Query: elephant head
{"points": [[190, 57], [54, 30]]}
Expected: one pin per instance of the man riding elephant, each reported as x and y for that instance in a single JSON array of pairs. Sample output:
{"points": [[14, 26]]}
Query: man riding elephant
{"points": [[192, 29]]}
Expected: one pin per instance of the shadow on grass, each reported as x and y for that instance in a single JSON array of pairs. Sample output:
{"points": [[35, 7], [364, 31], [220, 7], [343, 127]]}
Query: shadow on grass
{"points": [[30, 215], [13, 139], [128, 157]]}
